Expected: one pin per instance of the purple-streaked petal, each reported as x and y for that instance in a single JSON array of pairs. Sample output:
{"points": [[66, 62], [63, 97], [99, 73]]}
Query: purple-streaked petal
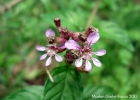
{"points": [[93, 38], [100, 52], [58, 58], [88, 66], [49, 33], [40, 48], [71, 44], [49, 60], [43, 56], [96, 62], [78, 62]]}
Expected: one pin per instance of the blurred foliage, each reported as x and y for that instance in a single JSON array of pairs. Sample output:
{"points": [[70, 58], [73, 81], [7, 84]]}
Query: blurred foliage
{"points": [[28, 93], [22, 27]]}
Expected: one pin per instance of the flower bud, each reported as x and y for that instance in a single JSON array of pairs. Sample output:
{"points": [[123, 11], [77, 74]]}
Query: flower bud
{"points": [[75, 36], [69, 57], [52, 39], [57, 22], [82, 37], [60, 40], [90, 30]]}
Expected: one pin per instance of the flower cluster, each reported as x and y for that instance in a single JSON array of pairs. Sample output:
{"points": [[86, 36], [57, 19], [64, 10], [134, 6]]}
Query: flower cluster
{"points": [[78, 48]]}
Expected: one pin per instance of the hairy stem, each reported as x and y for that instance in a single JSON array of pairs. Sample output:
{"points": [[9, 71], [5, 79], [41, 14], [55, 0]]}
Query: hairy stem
{"points": [[50, 76]]}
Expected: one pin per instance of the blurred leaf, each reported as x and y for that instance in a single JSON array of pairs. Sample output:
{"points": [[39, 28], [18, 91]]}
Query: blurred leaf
{"points": [[111, 31], [13, 59], [29, 93], [32, 74], [131, 86], [91, 92], [2, 57], [110, 81], [66, 85], [125, 56], [134, 35], [47, 5], [123, 73]]}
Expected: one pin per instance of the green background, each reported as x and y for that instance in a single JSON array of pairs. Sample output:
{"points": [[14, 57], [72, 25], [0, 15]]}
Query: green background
{"points": [[23, 26]]}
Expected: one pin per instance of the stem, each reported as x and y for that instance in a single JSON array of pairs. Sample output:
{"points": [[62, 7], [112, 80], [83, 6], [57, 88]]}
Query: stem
{"points": [[93, 14], [50, 76]]}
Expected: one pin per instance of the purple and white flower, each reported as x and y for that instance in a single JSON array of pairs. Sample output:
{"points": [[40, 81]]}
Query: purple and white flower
{"points": [[86, 50], [51, 50]]}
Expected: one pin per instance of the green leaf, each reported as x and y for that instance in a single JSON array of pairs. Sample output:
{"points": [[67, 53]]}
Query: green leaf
{"points": [[93, 92], [66, 85], [28, 93], [112, 31]]}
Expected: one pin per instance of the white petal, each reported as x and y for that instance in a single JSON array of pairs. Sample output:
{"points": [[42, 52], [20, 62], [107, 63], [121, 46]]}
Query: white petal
{"points": [[100, 52], [78, 62], [93, 38], [96, 62], [49, 33], [58, 58], [43, 56], [71, 44], [88, 66], [49, 60], [40, 48]]}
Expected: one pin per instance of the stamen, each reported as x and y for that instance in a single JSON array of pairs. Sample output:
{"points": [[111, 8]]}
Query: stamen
{"points": [[51, 52], [87, 56]]}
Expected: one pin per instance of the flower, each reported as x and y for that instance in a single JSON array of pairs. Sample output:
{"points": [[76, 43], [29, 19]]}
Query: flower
{"points": [[51, 49], [86, 51]]}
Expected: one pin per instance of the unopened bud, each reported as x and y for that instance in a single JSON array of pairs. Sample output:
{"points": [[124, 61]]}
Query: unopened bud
{"points": [[60, 40], [57, 22], [71, 55], [75, 36], [82, 37], [52, 39]]}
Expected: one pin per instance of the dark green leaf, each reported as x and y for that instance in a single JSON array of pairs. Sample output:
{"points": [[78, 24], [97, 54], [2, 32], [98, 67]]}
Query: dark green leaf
{"points": [[66, 85]]}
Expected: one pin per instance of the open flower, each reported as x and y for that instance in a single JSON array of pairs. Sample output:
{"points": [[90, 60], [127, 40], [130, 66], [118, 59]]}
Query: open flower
{"points": [[86, 51], [51, 50]]}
